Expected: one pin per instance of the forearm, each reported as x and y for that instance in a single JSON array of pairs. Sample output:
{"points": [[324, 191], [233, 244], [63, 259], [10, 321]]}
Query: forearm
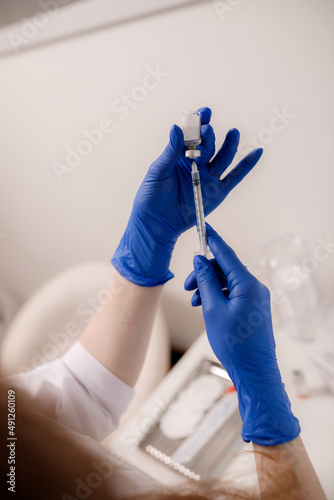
{"points": [[287, 467], [119, 333]]}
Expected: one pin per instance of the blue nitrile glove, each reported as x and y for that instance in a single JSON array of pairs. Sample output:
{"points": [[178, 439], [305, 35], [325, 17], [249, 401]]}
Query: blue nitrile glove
{"points": [[239, 329], [164, 205]]}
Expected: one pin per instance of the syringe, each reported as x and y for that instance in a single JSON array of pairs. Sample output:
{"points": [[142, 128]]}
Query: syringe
{"points": [[200, 220], [191, 127]]}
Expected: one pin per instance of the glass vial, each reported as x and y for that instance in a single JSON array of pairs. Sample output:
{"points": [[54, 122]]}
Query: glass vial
{"points": [[191, 127]]}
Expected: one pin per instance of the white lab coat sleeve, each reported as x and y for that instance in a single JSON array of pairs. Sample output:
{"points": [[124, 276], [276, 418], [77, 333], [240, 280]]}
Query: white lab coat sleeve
{"points": [[83, 394]]}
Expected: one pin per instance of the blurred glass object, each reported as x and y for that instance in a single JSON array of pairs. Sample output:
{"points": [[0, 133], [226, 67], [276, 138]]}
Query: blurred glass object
{"points": [[322, 353], [291, 269], [328, 314], [299, 384]]}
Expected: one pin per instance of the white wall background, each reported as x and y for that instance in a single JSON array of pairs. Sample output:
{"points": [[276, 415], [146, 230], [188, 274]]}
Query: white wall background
{"points": [[262, 55]]}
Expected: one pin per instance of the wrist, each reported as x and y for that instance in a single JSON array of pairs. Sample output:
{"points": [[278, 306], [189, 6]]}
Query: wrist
{"points": [[267, 416], [141, 257]]}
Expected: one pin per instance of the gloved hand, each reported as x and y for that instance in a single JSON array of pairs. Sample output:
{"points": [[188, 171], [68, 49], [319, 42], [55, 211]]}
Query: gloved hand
{"points": [[164, 204], [239, 329]]}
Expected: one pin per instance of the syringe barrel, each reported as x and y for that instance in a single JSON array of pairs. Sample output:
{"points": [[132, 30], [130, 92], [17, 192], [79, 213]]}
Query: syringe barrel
{"points": [[199, 213]]}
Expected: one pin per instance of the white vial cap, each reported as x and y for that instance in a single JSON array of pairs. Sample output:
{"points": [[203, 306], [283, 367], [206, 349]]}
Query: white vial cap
{"points": [[191, 126]]}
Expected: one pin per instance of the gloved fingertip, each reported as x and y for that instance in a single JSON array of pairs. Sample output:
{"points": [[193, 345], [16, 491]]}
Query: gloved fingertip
{"points": [[207, 133], [196, 300], [176, 133], [206, 114], [200, 263], [187, 284], [253, 156], [212, 236], [209, 230], [260, 152], [176, 139], [235, 132]]}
